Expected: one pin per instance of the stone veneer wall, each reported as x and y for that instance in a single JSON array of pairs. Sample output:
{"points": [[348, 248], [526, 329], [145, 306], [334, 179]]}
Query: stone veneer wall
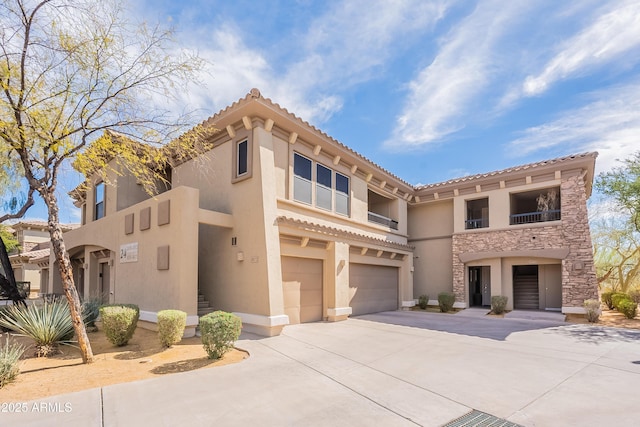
{"points": [[578, 271]]}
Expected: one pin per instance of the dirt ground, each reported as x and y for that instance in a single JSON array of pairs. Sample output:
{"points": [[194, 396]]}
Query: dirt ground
{"points": [[144, 357], [608, 318]]}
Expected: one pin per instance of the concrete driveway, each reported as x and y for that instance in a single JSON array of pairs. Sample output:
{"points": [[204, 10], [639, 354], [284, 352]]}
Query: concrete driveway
{"points": [[387, 369]]}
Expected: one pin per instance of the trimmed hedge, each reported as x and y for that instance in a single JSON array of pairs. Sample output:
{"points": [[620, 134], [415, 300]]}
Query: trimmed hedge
{"points": [[219, 331], [592, 310], [119, 322], [628, 308], [498, 304], [171, 324], [446, 301], [423, 301]]}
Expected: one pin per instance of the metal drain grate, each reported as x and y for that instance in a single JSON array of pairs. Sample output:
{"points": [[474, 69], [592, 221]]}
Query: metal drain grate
{"points": [[480, 419]]}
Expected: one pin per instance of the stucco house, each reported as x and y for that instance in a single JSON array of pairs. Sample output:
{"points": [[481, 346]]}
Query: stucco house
{"points": [[281, 224], [33, 240]]}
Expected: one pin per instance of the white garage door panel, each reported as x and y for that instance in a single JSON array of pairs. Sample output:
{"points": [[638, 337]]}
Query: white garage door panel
{"points": [[302, 289], [373, 288]]}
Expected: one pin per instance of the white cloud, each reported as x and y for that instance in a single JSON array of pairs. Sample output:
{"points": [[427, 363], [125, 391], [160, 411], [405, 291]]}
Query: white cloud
{"points": [[609, 125], [611, 36], [465, 65], [343, 47]]}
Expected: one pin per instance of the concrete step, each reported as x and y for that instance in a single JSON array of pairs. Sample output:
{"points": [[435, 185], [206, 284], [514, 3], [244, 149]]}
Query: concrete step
{"points": [[203, 304], [204, 311]]}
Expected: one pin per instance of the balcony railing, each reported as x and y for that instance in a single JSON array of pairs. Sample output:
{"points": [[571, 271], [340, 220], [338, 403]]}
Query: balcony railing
{"points": [[470, 224], [527, 218], [379, 219]]}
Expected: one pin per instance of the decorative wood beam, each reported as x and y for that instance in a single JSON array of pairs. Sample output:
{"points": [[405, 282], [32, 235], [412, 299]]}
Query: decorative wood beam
{"points": [[329, 245], [394, 191], [336, 160], [268, 125], [364, 251], [231, 131], [436, 196], [316, 150], [246, 121], [557, 175], [369, 176], [456, 192], [528, 179], [383, 184], [293, 137], [379, 254], [478, 188], [393, 255], [417, 199], [354, 169], [503, 184], [305, 242]]}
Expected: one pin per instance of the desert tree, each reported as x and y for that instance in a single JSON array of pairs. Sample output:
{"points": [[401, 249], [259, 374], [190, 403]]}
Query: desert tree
{"points": [[74, 74]]}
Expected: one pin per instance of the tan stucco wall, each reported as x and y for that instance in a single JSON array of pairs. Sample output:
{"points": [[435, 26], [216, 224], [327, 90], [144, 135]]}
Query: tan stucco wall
{"points": [[141, 282]]}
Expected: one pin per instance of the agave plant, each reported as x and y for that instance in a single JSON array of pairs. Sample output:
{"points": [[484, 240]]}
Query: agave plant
{"points": [[48, 324]]}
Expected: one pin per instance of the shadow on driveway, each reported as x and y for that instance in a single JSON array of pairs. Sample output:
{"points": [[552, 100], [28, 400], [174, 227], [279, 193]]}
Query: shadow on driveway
{"points": [[491, 328], [600, 334]]}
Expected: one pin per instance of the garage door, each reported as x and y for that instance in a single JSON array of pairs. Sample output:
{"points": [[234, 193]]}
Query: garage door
{"points": [[373, 288], [302, 288]]}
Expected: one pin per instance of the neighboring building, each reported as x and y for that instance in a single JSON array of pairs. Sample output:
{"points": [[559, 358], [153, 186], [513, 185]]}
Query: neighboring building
{"points": [[282, 224], [33, 239]]}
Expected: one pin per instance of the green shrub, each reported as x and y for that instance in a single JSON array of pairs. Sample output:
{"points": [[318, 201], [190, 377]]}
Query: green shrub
{"points": [[634, 295], [91, 311], [48, 324], [119, 322], [628, 308], [423, 301], [446, 301], [592, 310], [498, 304], [617, 298], [171, 324], [9, 356], [219, 331], [606, 299]]}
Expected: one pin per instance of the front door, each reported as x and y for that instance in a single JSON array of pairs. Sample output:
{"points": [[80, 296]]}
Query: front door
{"points": [[103, 281], [480, 286]]}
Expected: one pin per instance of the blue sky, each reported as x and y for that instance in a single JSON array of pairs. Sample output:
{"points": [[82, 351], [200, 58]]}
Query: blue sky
{"points": [[430, 90]]}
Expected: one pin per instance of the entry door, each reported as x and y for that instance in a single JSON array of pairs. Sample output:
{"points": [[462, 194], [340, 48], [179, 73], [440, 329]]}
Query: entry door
{"points": [[103, 281], [486, 286]]}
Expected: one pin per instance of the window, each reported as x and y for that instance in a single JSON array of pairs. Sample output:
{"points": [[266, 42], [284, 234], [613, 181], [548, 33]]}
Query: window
{"points": [[323, 187], [242, 158], [477, 214], [99, 200], [342, 194], [302, 179], [331, 187]]}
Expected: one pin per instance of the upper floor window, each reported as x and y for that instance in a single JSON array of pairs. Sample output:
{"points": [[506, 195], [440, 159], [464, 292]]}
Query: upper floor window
{"points": [[477, 214], [331, 187], [242, 160], [99, 200]]}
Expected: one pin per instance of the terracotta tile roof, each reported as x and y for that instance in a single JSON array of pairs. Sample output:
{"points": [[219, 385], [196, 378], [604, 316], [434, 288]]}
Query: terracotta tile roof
{"points": [[333, 231], [558, 160], [255, 94]]}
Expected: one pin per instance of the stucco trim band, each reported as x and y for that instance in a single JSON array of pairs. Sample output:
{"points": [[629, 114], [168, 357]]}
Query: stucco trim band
{"points": [[532, 253], [339, 311], [573, 310], [259, 320]]}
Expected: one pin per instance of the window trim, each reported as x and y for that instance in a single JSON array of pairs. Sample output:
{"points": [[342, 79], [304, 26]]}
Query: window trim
{"points": [[236, 176], [102, 202]]}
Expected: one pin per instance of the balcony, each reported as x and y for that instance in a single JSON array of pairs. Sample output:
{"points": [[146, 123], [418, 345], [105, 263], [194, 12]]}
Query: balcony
{"points": [[531, 217], [383, 220], [471, 224]]}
